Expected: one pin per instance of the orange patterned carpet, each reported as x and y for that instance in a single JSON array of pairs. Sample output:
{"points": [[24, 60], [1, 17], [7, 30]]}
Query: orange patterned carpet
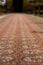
{"points": [[21, 40]]}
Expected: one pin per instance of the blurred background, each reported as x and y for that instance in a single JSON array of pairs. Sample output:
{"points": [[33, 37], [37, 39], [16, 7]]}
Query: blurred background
{"points": [[28, 6]]}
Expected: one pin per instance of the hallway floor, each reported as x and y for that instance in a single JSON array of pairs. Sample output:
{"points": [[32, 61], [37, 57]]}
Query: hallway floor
{"points": [[21, 40]]}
